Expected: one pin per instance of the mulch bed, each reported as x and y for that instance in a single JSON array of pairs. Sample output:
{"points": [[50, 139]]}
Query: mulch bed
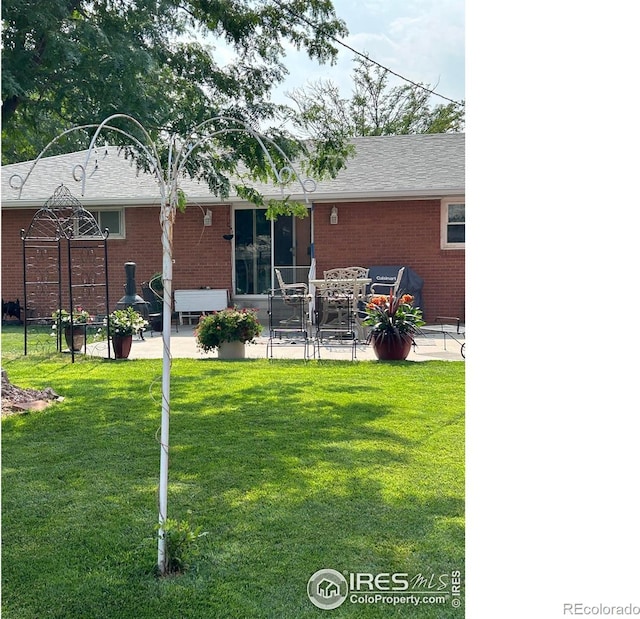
{"points": [[18, 400]]}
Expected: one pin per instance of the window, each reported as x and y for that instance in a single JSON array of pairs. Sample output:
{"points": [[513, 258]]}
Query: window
{"points": [[453, 224], [112, 219]]}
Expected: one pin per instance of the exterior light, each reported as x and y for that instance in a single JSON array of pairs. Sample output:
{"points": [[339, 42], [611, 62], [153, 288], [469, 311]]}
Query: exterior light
{"points": [[333, 219]]}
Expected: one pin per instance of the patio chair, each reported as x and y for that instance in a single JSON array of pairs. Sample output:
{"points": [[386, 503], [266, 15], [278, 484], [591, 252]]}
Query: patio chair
{"points": [[293, 328], [360, 298], [338, 293], [292, 295], [395, 286], [359, 272], [154, 303], [335, 318]]}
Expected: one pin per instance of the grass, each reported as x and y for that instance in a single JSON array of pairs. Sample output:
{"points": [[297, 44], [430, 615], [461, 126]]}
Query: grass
{"points": [[289, 466]]}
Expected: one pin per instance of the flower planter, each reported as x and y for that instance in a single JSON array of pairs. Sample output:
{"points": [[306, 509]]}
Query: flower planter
{"points": [[394, 321], [231, 350], [123, 324], [227, 331], [122, 346], [392, 348], [74, 338]]}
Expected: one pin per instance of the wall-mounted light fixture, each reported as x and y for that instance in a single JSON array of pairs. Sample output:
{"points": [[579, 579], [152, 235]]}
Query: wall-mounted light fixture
{"points": [[207, 218], [333, 219]]}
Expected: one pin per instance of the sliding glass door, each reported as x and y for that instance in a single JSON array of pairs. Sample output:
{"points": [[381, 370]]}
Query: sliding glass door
{"points": [[292, 248], [252, 252], [257, 239]]}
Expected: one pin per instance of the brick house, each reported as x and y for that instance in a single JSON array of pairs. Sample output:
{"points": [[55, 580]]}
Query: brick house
{"points": [[399, 201]]}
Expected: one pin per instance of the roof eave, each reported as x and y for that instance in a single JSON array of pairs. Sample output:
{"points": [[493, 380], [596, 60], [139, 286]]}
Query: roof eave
{"points": [[335, 196], [354, 196]]}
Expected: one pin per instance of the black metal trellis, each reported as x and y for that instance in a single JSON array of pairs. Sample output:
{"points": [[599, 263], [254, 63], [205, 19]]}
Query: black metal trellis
{"points": [[63, 218]]}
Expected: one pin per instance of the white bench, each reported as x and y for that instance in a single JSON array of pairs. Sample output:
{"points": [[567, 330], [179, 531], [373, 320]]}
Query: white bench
{"points": [[193, 303]]}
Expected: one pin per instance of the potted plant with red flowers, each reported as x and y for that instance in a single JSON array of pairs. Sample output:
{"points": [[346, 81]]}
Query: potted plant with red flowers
{"points": [[394, 321]]}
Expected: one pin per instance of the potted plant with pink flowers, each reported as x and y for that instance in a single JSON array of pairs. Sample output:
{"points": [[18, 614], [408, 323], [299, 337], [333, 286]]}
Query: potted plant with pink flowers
{"points": [[228, 330]]}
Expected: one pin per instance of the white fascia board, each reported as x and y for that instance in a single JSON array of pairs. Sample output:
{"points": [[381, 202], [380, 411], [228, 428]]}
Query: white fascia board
{"points": [[358, 196], [88, 204], [385, 195], [340, 196]]}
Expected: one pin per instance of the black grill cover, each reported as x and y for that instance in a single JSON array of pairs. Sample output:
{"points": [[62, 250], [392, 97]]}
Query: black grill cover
{"points": [[411, 282]]}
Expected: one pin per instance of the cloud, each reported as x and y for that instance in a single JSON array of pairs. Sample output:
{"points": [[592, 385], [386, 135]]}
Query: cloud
{"points": [[422, 40]]}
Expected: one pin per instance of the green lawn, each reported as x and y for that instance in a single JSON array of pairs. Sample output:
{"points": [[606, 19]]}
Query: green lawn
{"points": [[289, 467]]}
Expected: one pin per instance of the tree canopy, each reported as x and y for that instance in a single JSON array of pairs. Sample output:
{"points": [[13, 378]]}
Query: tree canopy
{"points": [[80, 61], [374, 108]]}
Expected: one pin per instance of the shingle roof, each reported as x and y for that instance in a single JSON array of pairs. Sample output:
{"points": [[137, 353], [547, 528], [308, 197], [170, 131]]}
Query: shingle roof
{"points": [[383, 167]]}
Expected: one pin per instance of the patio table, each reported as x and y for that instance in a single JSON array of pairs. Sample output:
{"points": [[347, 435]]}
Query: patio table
{"points": [[322, 283], [357, 294]]}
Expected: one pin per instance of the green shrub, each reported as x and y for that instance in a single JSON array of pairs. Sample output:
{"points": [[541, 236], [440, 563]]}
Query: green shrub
{"points": [[181, 539]]}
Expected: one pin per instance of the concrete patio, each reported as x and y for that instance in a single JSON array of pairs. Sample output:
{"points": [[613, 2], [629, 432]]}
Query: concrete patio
{"points": [[430, 346]]}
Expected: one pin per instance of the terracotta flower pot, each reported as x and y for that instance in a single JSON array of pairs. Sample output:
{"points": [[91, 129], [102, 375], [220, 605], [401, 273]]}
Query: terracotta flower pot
{"points": [[122, 346], [392, 348]]}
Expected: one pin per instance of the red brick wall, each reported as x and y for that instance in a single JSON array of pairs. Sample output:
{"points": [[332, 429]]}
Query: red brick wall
{"points": [[368, 234], [12, 223], [402, 233], [201, 256]]}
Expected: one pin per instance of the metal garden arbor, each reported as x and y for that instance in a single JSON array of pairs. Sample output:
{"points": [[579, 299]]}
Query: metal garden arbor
{"points": [[62, 217]]}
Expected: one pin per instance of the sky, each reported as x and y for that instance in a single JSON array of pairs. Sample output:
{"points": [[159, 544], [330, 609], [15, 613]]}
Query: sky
{"points": [[422, 40]]}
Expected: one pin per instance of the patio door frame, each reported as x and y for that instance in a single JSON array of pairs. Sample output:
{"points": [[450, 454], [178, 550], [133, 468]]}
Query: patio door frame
{"points": [[234, 273]]}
